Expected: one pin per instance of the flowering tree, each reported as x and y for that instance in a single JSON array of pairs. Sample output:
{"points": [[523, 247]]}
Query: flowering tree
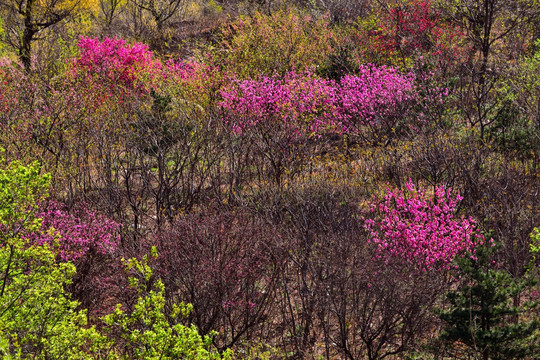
{"points": [[280, 114], [113, 60], [306, 105], [413, 227], [87, 240], [301, 103], [375, 97], [78, 233]]}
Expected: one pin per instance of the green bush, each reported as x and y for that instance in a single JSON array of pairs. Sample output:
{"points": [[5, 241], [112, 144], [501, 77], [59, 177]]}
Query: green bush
{"points": [[147, 332], [37, 317]]}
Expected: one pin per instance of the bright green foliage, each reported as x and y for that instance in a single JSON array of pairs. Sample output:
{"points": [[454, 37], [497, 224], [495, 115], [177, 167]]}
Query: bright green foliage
{"points": [[485, 313], [21, 188], [535, 243], [37, 318], [535, 240], [147, 329]]}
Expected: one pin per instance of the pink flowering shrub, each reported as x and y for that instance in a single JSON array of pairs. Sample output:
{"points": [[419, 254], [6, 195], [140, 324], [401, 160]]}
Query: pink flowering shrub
{"points": [[416, 228], [416, 25], [90, 241], [307, 105], [114, 61], [300, 102], [77, 233], [377, 96]]}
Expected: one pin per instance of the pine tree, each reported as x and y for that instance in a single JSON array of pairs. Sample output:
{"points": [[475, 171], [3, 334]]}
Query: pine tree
{"points": [[485, 314]]}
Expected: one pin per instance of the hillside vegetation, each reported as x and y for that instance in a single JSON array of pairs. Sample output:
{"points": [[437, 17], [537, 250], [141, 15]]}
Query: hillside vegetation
{"points": [[269, 179]]}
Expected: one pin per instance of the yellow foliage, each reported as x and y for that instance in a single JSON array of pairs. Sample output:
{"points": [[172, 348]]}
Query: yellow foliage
{"points": [[44, 8], [194, 9]]}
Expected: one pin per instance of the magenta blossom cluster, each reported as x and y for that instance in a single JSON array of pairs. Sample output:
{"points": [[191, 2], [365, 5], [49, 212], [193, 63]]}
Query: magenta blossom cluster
{"points": [[77, 233], [375, 95], [306, 105], [420, 229], [300, 102], [114, 60]]}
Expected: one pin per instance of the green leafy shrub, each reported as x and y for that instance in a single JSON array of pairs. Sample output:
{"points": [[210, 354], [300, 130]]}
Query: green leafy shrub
{"points": [[147, 331], [37, 317]]}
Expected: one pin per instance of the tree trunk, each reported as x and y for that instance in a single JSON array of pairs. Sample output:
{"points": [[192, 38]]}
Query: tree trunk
{"points": [[25, 52], [26, 48]]}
